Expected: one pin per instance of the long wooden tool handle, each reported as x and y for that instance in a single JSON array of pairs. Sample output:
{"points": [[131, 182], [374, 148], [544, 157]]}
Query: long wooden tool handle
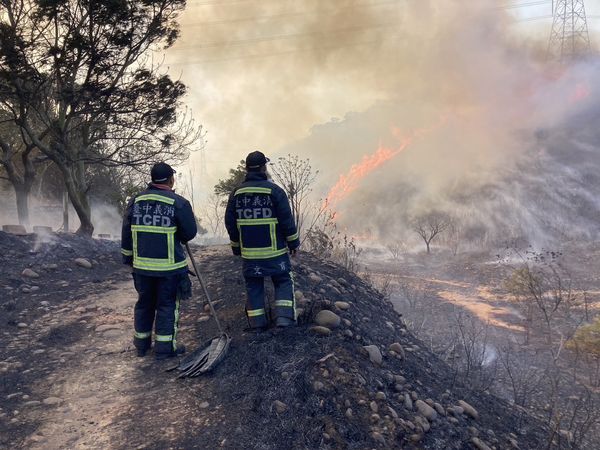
{"points": [[212, 308]]}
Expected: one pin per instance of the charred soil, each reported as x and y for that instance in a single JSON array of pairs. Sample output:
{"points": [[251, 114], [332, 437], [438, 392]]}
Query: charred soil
{"points": [[71, 378]]}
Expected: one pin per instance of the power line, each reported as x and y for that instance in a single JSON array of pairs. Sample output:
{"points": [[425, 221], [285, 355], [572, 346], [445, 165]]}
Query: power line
{"points": [[271, 54], [282, 37], [289, 14], [525, 5], [531, 19]]}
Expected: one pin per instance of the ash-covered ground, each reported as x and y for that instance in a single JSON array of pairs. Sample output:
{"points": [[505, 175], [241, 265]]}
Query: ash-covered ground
{"points": [[70, 378]]}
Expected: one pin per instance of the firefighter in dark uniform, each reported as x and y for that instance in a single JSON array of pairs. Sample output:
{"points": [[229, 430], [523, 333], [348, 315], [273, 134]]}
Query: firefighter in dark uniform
{"points": [[261, 228], [155, 224]]}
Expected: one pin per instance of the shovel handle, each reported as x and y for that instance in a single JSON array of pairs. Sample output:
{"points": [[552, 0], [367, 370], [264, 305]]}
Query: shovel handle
{"points": [[212, 308]]}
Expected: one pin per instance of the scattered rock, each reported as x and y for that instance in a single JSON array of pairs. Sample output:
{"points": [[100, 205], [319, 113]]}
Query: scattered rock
{"points": [[479, 444], [378, 437], [423, 423], [374, 354], [469, 410], [327, 319], [29, 273], [380, 396], [204, 405], [17, 230], [349, 413], [440, 409], [106, 327], [22, 325], [323, 331], [82, 262], [374, 407], [32, 403], [315, 278], [317, 385], [408, 404], [51, 401], [280, 407], [426, 410], [112, 333], [342, 305], [397, 348], [298, 295]]}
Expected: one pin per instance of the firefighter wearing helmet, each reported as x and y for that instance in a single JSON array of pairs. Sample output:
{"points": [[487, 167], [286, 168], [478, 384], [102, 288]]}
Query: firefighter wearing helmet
{"points": [[262, 231], [157, 221]]}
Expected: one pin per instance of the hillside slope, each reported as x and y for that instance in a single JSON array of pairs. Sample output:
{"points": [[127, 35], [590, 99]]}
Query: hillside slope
{"points": [[75, 382]]}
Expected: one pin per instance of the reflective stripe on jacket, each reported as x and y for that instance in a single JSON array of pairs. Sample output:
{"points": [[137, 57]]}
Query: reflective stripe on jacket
{"points": [[259, 220], [155, 224]]}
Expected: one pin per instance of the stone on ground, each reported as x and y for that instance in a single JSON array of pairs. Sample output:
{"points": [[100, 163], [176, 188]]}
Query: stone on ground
{"points": [[328, 319]]}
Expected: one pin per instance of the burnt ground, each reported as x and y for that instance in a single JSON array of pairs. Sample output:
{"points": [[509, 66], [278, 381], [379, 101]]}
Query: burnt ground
{"points": [[70, 378], [439, 293]]}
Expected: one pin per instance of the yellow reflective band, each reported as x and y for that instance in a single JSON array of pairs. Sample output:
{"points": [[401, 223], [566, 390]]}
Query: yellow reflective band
{"points": [[253, 190], [156, 197], [293, 237], [159, 267], [268, 221], [145, 335], [164, 337], [235, 244], [153, 229], [273, 237], [286, 303], [127, 252], [255, 312], [262, 255]]}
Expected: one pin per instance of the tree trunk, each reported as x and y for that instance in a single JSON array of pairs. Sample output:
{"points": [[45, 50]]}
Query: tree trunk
{"points": [[22, 195], [79, 199], [427, 244]]}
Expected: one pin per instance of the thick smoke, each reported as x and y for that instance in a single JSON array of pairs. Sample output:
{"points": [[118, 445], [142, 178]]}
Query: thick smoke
{"points": [[509, 128]]}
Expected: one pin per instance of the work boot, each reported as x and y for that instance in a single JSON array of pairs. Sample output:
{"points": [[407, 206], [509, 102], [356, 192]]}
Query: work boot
{"points": [[179, 351], [141, 352], [283, 322]]}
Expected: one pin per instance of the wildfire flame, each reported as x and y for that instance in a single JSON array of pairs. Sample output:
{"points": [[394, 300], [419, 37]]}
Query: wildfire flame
{"points": [[349, 182]]}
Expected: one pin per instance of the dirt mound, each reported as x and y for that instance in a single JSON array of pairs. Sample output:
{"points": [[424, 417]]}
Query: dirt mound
{"points": [[296, 388], [48, 268]]}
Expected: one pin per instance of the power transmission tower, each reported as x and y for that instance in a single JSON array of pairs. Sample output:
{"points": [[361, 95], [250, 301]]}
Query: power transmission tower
{"points": [[569, 38]]}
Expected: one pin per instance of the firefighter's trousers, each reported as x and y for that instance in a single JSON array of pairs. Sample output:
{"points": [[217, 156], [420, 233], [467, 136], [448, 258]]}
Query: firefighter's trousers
{"points": [[285, 305], [157, 304]]}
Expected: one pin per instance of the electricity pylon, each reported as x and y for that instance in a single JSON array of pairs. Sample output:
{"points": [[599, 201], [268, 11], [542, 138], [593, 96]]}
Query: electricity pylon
{"points": [[569, 38]]}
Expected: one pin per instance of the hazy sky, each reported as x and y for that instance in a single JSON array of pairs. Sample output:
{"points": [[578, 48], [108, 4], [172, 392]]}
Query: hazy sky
{"points": [[262, 73]]}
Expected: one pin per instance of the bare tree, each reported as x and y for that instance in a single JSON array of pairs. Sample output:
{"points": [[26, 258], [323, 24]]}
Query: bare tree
{"points": [[396, 249], [296, 177], [215, 211], [430, 225]]}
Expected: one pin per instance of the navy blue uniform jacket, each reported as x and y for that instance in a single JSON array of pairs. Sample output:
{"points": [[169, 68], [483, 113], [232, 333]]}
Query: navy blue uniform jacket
{"points": [[259, 220], [155, 224]]}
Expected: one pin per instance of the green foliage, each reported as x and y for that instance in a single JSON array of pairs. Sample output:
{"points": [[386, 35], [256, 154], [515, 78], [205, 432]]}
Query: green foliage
{"points": [[236, 177], [587, 339]]}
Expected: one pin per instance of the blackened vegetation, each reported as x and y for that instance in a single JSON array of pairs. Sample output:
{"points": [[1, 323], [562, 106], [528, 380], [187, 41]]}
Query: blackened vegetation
{"points": [[52, 257], [293, 388]]}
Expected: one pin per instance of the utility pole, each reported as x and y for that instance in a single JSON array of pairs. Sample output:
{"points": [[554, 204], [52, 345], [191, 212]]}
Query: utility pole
{"points": [[569, 38]]}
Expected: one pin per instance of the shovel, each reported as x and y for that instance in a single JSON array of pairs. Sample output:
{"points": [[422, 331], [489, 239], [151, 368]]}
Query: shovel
{"points": [[211, 352]]}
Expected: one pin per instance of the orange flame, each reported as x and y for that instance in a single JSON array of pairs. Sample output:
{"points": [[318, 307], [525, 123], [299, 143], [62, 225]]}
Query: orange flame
{"points": [[349, 182], [581, 92]]}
